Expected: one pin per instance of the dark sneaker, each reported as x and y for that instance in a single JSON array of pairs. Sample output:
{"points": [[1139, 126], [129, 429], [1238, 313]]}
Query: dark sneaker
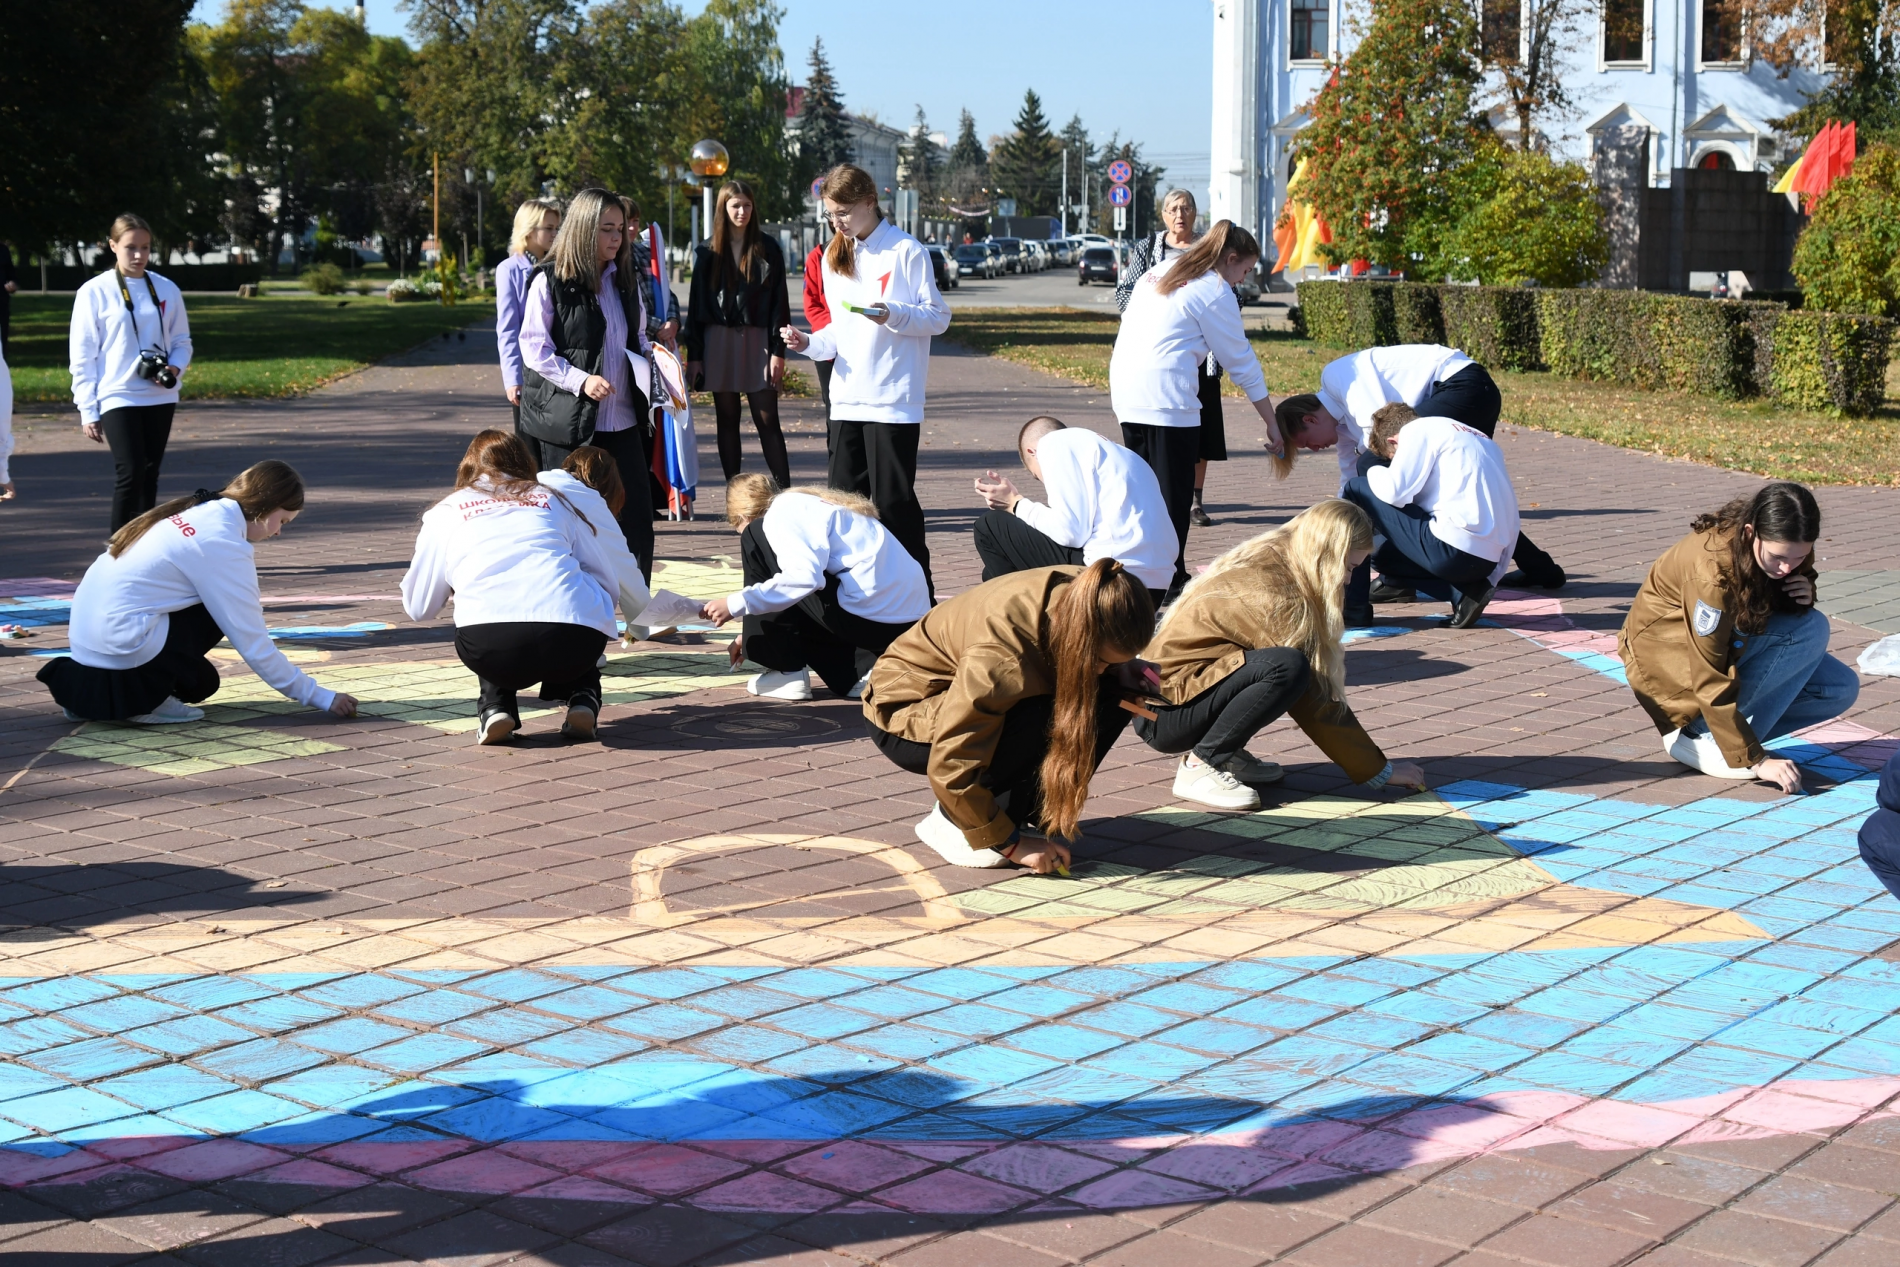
{"points": [[496, 726], [1470, 606], [1383, 591], [1200, 517], [583, 716], [1358, 617], [1550, 578]]}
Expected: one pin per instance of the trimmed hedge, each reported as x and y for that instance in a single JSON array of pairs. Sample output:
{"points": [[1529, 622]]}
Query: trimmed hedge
{"points": [[187, 277], [1728, 350]]}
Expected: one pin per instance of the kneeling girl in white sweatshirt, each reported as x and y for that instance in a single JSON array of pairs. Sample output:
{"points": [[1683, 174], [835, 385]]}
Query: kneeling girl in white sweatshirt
{"points": [[827, 587], [534, 588], [172, 584]]}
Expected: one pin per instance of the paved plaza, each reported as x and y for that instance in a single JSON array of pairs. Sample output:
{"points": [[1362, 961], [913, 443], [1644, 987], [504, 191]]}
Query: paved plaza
{"points": [[281, 989]]}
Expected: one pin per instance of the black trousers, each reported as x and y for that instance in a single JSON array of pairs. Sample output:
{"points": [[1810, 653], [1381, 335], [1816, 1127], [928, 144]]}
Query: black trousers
{"points": [[179, 669], [1221, 720], [764, 421], [824, 392], [509, 656], [631, 454], [815, 633], [1213, 418], [1006, 544], [137, 435], [1172, 452], [1016, 765], [879, 461], [1471, 396]]}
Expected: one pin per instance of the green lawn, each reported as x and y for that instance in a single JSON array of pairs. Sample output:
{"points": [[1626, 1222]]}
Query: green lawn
{"points": [[280, 345], [1758, 436]]}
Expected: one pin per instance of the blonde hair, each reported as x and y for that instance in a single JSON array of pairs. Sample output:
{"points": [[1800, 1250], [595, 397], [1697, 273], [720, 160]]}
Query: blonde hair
{"points": [[258, 490], [528, 218], [125, 224], [1387, 422], [1224, 239], [576, 255], [750, 496], [1299, 577], [847, 186]]}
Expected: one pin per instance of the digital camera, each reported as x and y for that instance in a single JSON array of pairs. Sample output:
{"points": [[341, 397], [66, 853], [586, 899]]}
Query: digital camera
{"points": [[152, 367]]}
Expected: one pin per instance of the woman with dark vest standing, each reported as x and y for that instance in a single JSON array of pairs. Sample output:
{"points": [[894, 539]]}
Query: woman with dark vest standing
{"points": [[733, 317], [584, 373]]}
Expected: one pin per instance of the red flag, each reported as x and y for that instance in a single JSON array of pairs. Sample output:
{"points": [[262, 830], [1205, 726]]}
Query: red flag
{"points": [[1849, 144]]}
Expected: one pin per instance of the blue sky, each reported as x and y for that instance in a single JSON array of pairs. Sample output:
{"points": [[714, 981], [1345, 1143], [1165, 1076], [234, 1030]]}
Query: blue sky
{"points": [[1143, 68]]}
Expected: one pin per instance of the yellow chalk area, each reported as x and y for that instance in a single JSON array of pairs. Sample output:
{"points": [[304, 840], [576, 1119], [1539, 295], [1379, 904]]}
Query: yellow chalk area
{"points": [[195, 748]]}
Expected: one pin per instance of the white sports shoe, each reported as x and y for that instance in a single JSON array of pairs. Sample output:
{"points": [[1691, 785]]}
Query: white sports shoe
{"points": [[496, 727], [1213, 787], [170, 713], [1701, 752], [775, 685], [857, 691], [946, 838], [1246, 767]]}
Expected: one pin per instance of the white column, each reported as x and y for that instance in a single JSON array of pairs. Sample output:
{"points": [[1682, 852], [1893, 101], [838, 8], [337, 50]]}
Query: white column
{"points": [[1234, 169]]}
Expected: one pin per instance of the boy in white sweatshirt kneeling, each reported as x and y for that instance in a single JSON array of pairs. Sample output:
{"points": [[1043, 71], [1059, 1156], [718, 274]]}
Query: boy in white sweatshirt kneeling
{"points": [[1105, 502], [1445, 508]]}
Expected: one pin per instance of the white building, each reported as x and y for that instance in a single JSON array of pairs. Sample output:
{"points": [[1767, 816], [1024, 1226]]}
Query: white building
{"points": [[875, 145], [1673, 68]]}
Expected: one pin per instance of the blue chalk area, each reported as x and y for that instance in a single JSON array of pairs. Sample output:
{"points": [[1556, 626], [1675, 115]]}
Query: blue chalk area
{"points": [[356, 630], [36, 612], [1374, 631], [607, 1052]]}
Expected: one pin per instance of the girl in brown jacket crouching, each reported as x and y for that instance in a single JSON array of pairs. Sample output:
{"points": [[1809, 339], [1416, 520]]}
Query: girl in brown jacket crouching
{"points": [[1012, 691], [1256, 636]]}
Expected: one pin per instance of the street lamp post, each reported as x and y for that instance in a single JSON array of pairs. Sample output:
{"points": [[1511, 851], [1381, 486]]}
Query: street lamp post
{"points": [[709, 161]]}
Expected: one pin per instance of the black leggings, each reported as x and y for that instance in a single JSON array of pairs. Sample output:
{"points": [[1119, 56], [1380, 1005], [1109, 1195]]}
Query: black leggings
{"points": [[765, 420], [879, 460], [1220, 721], [1173, 452], [137, 435], [815, 633], [1007, 544], [180, 669], [509, 656], [1015, 766]]}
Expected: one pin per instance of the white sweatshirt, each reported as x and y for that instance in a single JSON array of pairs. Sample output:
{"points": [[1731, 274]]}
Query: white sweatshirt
{"points": [[633, 593], [1455, 474], [122, 609], [6, 421], [1154, 373], [105, 342], [1355, 387], [1104, 498], [531, 561], [877, 578], [879, 372]]}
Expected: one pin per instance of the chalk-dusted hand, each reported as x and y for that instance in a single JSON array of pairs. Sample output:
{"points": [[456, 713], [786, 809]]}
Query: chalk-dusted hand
{"points": [[1039, 856], [716, 612], [1781, 772], [343, 705], [735, 651], [795, 339], [1407, 774], [997, 491], [1138, 676]]}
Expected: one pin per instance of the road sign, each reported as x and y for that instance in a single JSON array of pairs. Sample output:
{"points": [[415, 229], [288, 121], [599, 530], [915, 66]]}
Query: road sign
{"points": [[1119, 172], [1119, 196], [1121, 219], [818, 187]]}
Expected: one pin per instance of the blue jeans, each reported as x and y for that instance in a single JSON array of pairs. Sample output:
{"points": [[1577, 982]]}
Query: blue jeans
{"points": [[1411, 553], [1787, 679]]}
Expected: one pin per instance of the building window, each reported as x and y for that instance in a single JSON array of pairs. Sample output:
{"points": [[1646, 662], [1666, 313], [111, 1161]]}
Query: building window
{"points": [[1311, 18], [1501, 34], [1721, 31], [1623, 31], [1717, 161]]}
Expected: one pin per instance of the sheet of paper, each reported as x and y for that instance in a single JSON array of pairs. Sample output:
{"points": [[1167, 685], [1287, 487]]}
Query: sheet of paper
{"points": [[668, 608]]}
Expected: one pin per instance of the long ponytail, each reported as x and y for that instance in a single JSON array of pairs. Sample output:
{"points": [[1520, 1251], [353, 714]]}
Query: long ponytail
{"points": [[847, 186], [258, 490], [1104, 609], [1224, 239]]}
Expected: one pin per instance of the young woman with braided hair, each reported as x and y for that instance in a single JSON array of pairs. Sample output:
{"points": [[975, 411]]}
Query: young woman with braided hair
{"points": [[1009, 695]]}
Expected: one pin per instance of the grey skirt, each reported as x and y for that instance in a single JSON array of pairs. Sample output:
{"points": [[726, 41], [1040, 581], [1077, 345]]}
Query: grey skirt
{"points": [[737, 359]]}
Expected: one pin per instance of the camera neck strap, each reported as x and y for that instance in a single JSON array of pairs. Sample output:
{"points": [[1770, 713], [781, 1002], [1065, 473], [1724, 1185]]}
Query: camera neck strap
{"points": [[132, 314]]}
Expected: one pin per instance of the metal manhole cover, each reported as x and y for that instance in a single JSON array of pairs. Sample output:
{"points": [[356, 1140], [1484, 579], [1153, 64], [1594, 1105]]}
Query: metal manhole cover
{"points": [[758, 727]]}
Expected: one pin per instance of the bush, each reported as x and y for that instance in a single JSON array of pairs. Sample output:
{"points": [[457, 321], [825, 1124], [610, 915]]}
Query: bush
{"points": [[1848, 257], [1831, 361], [404, 291], [1495, 326], [1323, 306], [1542, 224], [323, 279], [1369, 317], [1417, 316]]}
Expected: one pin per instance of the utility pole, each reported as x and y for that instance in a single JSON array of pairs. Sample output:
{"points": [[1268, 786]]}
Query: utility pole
{"points": [[1065, 191], [435, 230]]}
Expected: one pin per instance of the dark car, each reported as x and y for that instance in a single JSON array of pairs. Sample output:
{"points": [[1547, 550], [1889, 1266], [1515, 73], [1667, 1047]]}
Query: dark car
{"points": [[1012, 249], [1097, 265], [944, 267], [975, 259]]}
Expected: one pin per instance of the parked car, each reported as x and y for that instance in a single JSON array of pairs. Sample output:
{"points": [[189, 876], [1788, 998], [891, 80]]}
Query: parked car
{"points": [[944, 265], [1012, 249], [1098, 264], [1092, 239], [1034, 256], [1061, 251], [976, 259]]}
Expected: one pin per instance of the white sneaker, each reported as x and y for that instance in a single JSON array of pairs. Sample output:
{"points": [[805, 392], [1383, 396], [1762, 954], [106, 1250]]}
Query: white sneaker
{"points": [[1246, 767], [170, 713], [1701, 752], [857, 691], [775, 685], [602, 662], [1213, 787], [946, 838]]}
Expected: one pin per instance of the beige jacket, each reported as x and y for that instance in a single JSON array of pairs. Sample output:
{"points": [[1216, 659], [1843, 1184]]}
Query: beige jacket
{"points": [[1679, 645], [1211, 631], [951, 677]]}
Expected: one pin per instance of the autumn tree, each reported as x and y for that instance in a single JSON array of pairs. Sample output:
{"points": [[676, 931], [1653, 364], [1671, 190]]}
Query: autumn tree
{"points": [[1859, 40], [1530, 219], [1848, 257], [1524, 43]]}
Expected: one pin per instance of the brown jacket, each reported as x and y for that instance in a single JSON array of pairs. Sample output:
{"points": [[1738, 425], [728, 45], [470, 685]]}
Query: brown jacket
{"points": [[951, 677], [1679, 645], [1211, 631]]}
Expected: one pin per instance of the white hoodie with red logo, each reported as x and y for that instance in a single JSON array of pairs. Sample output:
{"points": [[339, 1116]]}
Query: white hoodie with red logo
{"points": [[879, 372]]}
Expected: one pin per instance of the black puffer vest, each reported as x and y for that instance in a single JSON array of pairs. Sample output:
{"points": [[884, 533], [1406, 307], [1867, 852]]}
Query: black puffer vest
{"points": [[549, 412]]}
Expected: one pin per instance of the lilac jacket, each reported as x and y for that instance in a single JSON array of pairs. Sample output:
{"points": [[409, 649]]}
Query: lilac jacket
{"points": [[511, 294]]}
